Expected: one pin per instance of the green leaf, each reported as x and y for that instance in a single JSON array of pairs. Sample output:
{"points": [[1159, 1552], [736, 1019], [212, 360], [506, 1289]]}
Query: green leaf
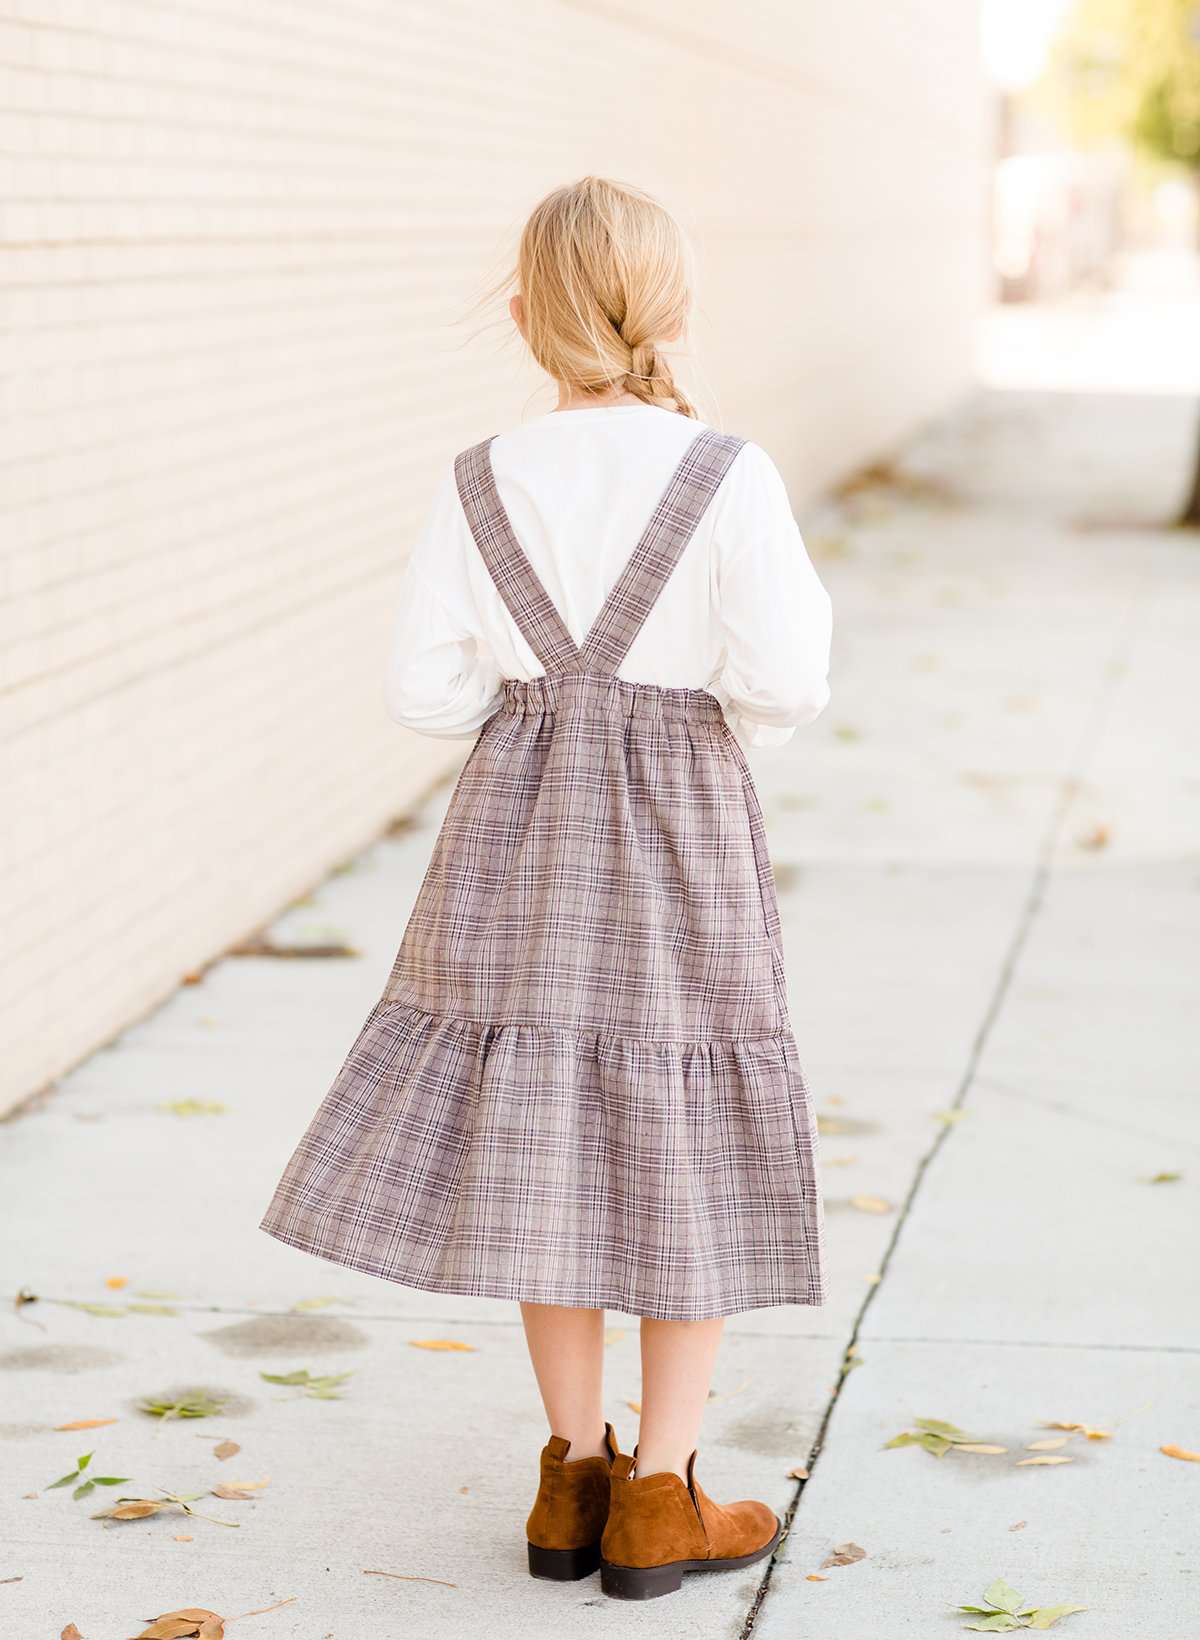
{"points": [[153, 1309], [907, 1439], [66, 1480], [937, 1444], [1045, 1616], [84, 1461], [298, 1377], [998, 1623], [1002, 1594], [195, 1403], [940, 1427], [82, 1491], [114, 1310], [109, 1480]]}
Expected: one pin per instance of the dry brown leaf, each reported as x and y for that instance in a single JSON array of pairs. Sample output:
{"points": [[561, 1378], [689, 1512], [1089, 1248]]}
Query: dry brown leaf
{"points": [[226, 1449], [815, 1577], [439, 1344], [870, 1204], [1046, 1457], [115, 1283], [70, 1633], [797, 1474], [634, 1406], [183, 1539], [412, 1577], [1047, 1445], [978, 1446], [1082, 1429], [1173, 1451], [250, 1486], [845, 1554], [187, 1623], [137, 1509], [1097, 837], [233, 1494], [87, 1423]]}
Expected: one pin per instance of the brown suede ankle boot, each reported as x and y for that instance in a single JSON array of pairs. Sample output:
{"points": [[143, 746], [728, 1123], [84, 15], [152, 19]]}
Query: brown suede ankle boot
{"points": [[659, 1527], [568, 1515]]}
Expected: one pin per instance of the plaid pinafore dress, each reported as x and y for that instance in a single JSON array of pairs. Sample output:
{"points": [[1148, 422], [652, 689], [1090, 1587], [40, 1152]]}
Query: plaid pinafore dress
{"points": [[580, 1085]]}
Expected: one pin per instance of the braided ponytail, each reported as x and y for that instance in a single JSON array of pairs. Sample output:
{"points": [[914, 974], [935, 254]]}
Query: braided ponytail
{"points": [[602, 271]]}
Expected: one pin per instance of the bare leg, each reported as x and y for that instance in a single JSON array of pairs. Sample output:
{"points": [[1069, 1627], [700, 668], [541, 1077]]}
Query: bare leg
{"points": [[566, 1347], [677, 1364]]}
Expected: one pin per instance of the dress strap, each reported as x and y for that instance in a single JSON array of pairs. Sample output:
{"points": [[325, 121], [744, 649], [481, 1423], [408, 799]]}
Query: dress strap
{"points": [[672, 524], [514, 576]]}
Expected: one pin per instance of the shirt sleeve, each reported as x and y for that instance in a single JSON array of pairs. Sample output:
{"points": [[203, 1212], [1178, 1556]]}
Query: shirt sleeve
{"points": [[774, 615], [441, 677]]}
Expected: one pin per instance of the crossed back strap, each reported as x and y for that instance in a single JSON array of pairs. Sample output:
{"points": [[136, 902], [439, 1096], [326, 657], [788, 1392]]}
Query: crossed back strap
{"points": [[671, 526]]}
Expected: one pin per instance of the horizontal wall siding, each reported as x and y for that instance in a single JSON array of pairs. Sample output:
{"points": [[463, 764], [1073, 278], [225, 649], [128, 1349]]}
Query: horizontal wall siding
{"points": [[242, 251]]}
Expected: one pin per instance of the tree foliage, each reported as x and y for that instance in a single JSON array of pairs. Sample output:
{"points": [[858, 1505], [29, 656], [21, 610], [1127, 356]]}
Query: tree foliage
{"points": [[1131, 69]]}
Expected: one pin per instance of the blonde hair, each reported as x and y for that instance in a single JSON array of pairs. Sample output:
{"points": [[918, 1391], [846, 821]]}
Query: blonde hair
{"points": [[603, 272]]}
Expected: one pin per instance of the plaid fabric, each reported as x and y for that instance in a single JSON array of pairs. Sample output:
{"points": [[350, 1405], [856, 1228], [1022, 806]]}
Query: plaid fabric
{"points": [[580, 1084]]}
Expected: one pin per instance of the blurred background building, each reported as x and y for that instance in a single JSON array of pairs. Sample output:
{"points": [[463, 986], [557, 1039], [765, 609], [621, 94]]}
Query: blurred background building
{"points": [[244, 251]]}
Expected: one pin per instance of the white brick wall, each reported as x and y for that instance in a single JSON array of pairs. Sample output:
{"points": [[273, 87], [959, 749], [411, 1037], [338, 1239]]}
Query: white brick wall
{"points": [[238, 250]]}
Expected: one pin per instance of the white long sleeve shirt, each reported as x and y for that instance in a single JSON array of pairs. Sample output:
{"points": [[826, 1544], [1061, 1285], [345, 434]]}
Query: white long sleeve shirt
{"points": [[742, 615]]}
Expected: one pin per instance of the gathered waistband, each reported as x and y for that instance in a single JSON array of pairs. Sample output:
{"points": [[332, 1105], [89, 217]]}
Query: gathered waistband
{"points": [[608, 696]]}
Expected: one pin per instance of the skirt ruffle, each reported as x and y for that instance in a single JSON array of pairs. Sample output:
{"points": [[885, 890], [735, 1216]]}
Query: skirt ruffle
{"points": [[676, 1180]]}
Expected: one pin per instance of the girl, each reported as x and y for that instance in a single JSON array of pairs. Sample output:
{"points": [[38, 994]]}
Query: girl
{"points": [[579, 1089]]}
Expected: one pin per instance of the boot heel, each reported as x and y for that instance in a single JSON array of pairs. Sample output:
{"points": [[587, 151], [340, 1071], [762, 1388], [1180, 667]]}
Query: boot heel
{"points": [[563, 1565], [640, 1582]]}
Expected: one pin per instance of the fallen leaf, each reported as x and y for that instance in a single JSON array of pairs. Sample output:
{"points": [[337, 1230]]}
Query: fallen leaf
{"points": [[87, 1423], [977, 1446], [113, 1310], [20, 1578], [185, 1624], [70, 1633], [1173, 1451], [134, 1509], [873, 1278], [634, 1406], [322, 1387], [797, 1474], [439, 1344], [183, 1539], [1048, 1445], [949, 1116], [193, 1403], [1082, 1429], [412, 1577], [115, 1283], [871, 1204], [1098, 837], [1161, 1178], [845, 1554], [233, 1494], [1018, 1525], [1045, 1457], [193, 1107], [313, 1303], [1043, 1617], [614, 1335], [226, 1449], [815, 1577]]}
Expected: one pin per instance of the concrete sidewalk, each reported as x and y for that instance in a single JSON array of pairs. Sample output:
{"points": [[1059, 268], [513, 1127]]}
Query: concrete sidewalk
{"points": [[986, 860]]}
